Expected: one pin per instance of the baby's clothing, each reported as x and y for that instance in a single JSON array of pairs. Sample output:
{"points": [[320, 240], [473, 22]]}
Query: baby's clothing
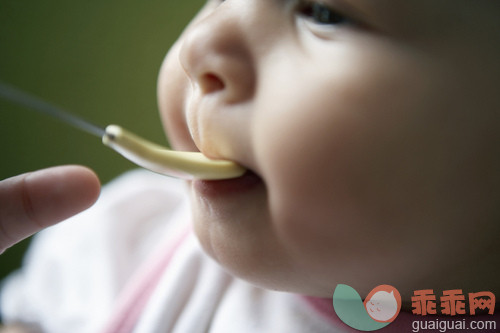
{"points": [[132, 264]]}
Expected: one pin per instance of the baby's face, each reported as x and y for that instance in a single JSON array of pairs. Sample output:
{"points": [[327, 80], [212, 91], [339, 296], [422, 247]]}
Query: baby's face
{"points": [[370, 129]]}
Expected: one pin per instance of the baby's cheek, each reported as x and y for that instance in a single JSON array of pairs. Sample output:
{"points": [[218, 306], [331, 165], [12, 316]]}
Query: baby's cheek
{"points": [[321, 220], [305, 212]]}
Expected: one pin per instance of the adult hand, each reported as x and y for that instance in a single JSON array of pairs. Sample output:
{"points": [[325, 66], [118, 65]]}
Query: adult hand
{"points": [[36, 200]]}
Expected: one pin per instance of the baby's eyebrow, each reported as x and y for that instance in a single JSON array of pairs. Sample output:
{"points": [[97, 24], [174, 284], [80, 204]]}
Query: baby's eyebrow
{"points": [[385, 6], [406, 18], [379, 14]]}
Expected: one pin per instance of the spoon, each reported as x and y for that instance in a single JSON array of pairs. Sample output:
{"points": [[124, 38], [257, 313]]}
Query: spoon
{"points": [[180, 164]]}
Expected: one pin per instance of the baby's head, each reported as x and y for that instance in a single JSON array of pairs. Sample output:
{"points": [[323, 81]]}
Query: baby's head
{"points": [[371, 131]]}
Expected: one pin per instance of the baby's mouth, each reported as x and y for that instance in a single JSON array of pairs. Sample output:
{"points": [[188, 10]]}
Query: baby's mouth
{"points": [[228, 187]]}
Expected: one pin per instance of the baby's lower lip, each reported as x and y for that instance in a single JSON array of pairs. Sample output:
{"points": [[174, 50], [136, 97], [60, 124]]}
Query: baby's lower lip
{"points": [[225, 187]]}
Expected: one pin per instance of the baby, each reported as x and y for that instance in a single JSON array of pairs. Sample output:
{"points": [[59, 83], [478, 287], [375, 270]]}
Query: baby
{"points": [[370, 133]]}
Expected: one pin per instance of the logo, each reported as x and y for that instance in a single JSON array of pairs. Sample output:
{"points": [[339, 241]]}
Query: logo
{"points": [[379, 309], [452, 302]]}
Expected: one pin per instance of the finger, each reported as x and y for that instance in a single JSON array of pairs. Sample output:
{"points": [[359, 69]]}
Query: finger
{"points": [[36, 200]]}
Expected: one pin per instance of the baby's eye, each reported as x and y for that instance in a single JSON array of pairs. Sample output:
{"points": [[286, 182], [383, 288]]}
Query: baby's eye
{"points": [[325, 21], [320, 13]]}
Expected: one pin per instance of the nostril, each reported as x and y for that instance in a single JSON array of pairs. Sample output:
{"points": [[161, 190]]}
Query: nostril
{"points": [[210, 83]]}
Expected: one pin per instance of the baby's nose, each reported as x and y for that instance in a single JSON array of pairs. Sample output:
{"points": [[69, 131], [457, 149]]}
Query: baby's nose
{"points": [[216, 55]]}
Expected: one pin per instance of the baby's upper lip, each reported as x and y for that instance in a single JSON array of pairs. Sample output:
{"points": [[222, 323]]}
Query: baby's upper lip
{"points": [[242, 161], [213, 138], [198, 115]]}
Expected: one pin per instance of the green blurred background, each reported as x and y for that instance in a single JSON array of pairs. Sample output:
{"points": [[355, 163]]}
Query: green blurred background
{"points": [[98, 59]]}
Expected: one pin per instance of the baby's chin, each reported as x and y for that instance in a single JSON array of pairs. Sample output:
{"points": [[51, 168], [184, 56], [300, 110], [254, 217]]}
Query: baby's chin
{"points": [[251, 263], [242, 235], [266, 272]]}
